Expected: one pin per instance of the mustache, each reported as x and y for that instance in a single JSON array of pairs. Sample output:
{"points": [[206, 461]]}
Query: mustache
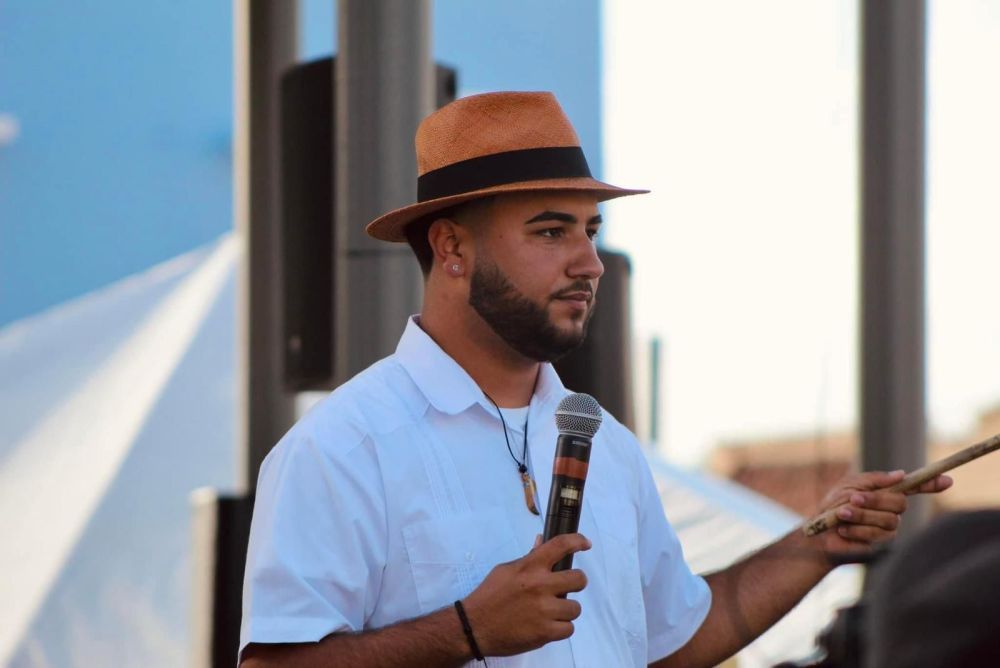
{"points": [[579, 286]]}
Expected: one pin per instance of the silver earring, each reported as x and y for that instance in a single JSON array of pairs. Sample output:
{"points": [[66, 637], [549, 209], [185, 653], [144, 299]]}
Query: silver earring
{"points": [[455, 267]]}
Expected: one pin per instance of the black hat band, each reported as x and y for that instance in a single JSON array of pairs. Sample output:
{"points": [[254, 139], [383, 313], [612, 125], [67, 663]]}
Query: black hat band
{"points": [[529, 164]]}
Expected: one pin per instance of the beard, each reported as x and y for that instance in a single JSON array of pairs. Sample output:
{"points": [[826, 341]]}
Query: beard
{"points": [[522, 324]]}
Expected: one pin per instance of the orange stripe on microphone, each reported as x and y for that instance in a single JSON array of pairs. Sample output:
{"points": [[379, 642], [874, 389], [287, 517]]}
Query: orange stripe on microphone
{"points": [[570, 467]]}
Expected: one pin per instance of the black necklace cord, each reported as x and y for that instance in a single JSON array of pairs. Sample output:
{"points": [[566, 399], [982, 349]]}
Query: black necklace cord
{"points": [[521, 465], [530, 491]]}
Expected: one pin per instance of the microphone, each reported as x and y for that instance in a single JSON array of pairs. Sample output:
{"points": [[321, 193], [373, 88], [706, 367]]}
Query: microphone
{"points": [[578, 417]]}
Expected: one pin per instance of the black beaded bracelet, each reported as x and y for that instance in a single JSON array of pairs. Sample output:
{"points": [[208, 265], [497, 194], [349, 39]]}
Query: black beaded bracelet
{"points": [[468, 632]]}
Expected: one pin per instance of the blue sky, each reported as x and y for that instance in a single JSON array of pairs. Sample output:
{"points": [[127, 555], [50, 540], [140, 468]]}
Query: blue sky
{"points": [[122, 155], [123, 114]]}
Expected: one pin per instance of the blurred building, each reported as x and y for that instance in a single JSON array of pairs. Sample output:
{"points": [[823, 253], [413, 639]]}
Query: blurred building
{"points": [[796, 470]]}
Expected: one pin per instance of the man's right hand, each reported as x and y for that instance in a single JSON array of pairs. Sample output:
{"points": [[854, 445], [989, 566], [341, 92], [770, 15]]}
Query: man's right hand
{"points": [[521, 604]]}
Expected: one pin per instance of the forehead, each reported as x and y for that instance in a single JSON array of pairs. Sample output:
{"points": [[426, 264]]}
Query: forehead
{"points": [[514, 208]]}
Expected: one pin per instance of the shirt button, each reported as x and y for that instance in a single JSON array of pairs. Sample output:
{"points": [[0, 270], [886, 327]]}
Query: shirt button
{"points": [[468, 556]]}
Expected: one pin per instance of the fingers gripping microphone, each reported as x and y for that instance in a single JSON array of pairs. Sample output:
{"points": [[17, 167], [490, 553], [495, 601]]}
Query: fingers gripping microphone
{"points": [[578, 418]]}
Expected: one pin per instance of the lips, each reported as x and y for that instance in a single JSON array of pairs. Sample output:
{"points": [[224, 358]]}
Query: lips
{"points": [[579, 299], [579, 291]]}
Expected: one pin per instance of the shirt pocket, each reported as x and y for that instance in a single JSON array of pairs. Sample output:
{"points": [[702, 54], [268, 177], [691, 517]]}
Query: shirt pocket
{"points": [[449, 557], [617, 525]]}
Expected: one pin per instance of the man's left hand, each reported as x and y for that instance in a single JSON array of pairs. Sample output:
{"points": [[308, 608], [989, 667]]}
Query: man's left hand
{"points": [[868, 511]]}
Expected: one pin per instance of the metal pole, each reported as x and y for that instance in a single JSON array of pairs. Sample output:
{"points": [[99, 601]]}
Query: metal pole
{"points": [[384, 86], [892, 262], [265, 44]]}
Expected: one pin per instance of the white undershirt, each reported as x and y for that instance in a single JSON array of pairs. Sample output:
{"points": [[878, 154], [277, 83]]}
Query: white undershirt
{"points": [[515, 418]]}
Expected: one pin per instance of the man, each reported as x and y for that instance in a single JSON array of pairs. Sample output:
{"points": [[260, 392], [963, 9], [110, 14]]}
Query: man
{"points": [[396, 524]]}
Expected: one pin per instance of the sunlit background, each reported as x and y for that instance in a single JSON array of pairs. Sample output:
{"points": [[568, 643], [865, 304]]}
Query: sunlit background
{"points": [[117, 264], [743, 119]]}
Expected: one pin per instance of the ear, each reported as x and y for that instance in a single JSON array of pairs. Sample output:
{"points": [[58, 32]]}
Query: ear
{"points": [[450, 242]]}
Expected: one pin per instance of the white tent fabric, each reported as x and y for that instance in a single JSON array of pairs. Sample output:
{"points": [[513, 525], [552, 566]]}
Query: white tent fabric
{"points": [[114, 407]]}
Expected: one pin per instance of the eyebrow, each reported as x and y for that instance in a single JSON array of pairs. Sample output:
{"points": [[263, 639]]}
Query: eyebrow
{"points": [[562, 218]]}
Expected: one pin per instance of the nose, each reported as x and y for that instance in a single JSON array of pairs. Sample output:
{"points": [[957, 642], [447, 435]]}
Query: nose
{"points": [[587, 263]]}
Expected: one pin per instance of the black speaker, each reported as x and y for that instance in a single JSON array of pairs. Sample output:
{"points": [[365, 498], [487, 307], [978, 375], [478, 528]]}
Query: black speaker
{"points": [[602, 366], [307, 113], [307, 222]]}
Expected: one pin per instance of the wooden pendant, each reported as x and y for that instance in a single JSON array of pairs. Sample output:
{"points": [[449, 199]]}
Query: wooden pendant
{"points": [[529, 492]]}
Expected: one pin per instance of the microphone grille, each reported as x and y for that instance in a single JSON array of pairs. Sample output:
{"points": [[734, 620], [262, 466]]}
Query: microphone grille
{"points": [[579, 414]]}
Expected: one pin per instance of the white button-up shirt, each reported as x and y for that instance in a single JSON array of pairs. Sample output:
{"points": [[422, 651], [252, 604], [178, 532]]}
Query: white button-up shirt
{"points": [[396, 495]]}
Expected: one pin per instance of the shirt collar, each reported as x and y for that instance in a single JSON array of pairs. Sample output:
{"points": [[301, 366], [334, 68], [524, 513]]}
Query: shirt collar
{"points": [[548, 386], [445, 384]]}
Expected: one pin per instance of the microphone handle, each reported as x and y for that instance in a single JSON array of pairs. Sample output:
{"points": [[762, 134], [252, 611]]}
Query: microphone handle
{"points": [[569, 475]]}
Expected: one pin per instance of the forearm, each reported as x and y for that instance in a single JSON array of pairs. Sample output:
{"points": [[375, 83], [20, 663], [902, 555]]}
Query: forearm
{"points": [[753, 594], [436, 639], [750, 596]]}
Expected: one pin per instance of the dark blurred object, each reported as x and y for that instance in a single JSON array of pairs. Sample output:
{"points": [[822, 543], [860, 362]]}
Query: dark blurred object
{"points": [[936, 602], [602, 366], [307, 230], [221, 532], [307, 184], [932, 602]]}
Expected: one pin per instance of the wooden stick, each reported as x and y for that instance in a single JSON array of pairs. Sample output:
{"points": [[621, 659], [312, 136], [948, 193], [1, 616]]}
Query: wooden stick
{"points": [[912, 481]]}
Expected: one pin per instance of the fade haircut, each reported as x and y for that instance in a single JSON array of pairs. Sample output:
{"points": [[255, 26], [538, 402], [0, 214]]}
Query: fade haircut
{"points": [[417, 231]]}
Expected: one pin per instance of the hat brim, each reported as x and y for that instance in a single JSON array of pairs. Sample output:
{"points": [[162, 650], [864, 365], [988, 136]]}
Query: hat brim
{"points": [[391, 226]]}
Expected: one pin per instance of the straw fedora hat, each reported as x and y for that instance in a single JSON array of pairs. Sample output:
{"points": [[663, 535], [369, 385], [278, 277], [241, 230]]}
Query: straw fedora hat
{"points": [[493, 143]]}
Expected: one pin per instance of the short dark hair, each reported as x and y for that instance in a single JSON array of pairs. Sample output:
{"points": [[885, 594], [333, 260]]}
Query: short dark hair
{"points": [[416, 232], [416, 236]]}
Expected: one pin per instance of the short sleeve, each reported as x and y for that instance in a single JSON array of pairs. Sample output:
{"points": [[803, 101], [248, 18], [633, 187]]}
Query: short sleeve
{"points": [[317, 542], [676, 600]]}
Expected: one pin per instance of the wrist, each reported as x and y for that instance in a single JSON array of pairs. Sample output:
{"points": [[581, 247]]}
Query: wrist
{"points": [[812, 550], [472, 643]]}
